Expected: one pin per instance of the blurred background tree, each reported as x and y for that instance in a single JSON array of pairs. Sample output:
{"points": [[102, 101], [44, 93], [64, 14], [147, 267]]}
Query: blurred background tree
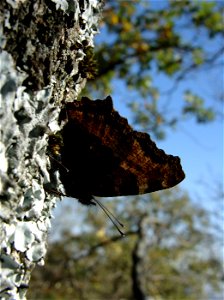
{"points": [[170, 252]]}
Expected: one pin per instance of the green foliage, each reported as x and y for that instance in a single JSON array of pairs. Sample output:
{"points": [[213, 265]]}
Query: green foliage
{"points": [[195, 104], [210, 17], [149, 118], [142, 38], [178, 262]]}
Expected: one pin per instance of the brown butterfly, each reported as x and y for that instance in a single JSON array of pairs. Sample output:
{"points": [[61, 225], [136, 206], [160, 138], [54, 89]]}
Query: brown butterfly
{"points": [[103, 156]]}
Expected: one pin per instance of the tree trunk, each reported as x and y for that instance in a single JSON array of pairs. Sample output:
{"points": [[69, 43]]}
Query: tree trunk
{"points": [[43, 45], [139, 261]]}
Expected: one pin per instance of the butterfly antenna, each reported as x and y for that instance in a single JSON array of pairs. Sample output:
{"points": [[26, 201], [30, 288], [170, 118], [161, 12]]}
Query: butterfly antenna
{"points": [[66, 169], [109, 214]]}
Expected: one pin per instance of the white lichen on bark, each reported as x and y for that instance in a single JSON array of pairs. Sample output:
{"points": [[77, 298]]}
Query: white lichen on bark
{"points": [[42, 43]]}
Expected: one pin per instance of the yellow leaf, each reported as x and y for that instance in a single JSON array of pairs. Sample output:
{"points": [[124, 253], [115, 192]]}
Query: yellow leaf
{"points": [[101, 233], [114, 19]]}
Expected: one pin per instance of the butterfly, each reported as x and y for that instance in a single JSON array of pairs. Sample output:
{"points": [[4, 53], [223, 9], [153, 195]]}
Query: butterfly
{"points": [[101, 155]]}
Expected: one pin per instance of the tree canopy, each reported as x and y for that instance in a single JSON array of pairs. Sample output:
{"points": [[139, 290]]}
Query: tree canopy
{"points": [[141, 40]]}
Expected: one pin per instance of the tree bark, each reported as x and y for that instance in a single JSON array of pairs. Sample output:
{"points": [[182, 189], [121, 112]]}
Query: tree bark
{"points": [[43, 43]]}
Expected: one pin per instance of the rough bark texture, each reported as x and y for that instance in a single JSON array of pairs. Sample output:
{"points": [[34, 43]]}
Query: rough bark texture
{"points": [[43, 46]]}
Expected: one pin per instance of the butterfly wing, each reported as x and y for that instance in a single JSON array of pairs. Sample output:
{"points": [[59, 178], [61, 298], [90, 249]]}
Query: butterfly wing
{"points": [[106, 157]]}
